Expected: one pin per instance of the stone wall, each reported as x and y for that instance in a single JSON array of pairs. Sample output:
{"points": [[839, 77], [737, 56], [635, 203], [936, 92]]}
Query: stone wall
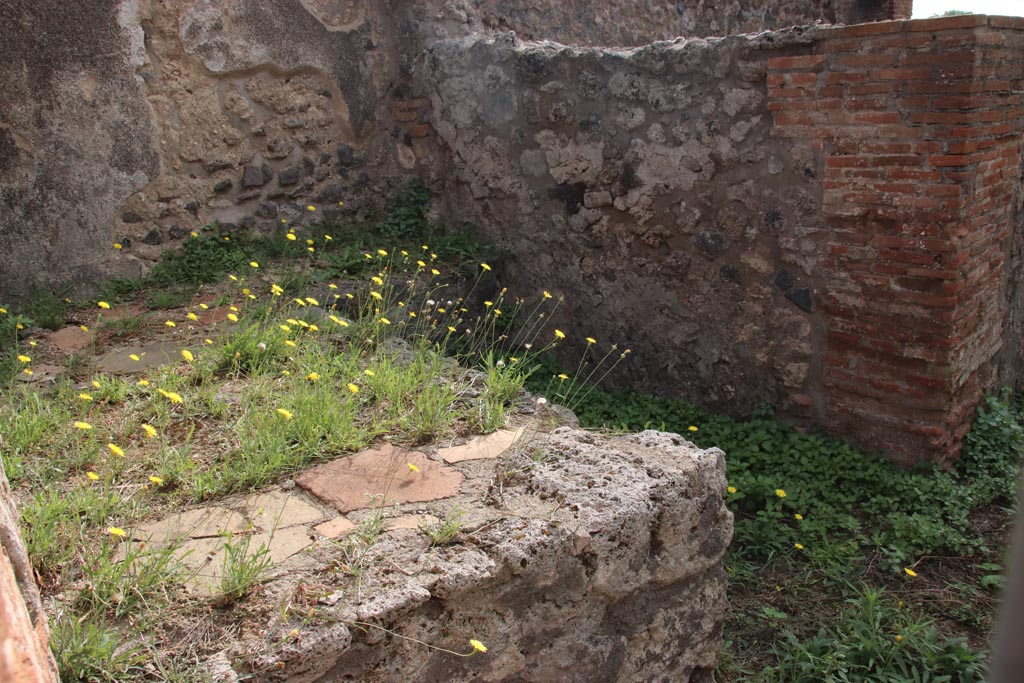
{"points": [[813, 218], [136, 121]]}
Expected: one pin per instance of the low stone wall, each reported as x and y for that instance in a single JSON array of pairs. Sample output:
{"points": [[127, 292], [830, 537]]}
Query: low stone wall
{"points": [[582, 558]]}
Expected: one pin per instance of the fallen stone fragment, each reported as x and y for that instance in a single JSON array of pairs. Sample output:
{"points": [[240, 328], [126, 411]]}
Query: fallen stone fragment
{"points": [[379, 477], [482, 447]]}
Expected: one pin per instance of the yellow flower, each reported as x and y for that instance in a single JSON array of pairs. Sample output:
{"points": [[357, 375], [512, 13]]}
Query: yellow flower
{"points": [[289, 342], [731, 489], [381, 252], [692, 428], [85, 397], [547, 294], [143, 382], [96, 384], [172, 396], [798, 546], [369, 373], [899, 638], [116, 450], [412, 314], [156, 480], [328, 238], [376, 280], [195, 234], [313, 377], [276, 290], [780, 493], [291, 236], [3, 311], [170, 323], [413, 468], [353, 388], [84, 328], [92, 476], [485, 266], [384, 321], [254, 264], [203, 306], [233, 278], [488, 304], [234, 309], [103, 304], [208, 341], [421, 264], [910, 572], [83, 425], [311, 301], [116, 531], [591, 340], [150, 431], [24, 359], [232, 317], [451, 329], [559, 334], [28, 371], [478, 646], [435, 271], [286, 414], [335, 319], [117, 245], [134, 357], [300, 302], [331, 285], [187, 355], [311, 208], [312, 328], [798, 517], [563, 377]]}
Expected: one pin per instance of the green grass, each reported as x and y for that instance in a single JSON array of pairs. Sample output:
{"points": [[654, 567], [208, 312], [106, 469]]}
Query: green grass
{"points": [[824, 533]]}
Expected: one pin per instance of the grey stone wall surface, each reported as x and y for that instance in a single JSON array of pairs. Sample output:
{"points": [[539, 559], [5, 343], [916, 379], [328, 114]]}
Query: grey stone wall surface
{"points": [[645, 185]]}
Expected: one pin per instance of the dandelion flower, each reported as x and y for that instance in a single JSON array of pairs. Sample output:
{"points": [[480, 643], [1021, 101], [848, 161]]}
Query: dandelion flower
{"points": [[96, 384], [451, 329], [172, 396], [92, 476], [286, 414], [150, 431], [485, 266], [384, 321], [547, 294], [590, 341], [899, 638], [310, 208], [276, 290], [170, 323], [115, 449], [478, 646], [284, 328], [377, 281], [143, 382], [187, 355], [311, 301], [559, 334], [84, 426], [289, 342], [208, 341], [103, 304], [353, 388], [338, 321], [203, 306], [369, 373], [24, 359], [233, 278], [116, 531], [798, 546], [156, 480], [563, 377], [3, 311], [435, 271], [731, 489], [381, 252], [910, 572], [85, 396], [118, 245], [798, 517], [135, 357], [780, 493], [421, 264], [313, 377], [232, 317], [254, 264], [28, 371], [291, 236], [692, 428], [413, 468]]}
